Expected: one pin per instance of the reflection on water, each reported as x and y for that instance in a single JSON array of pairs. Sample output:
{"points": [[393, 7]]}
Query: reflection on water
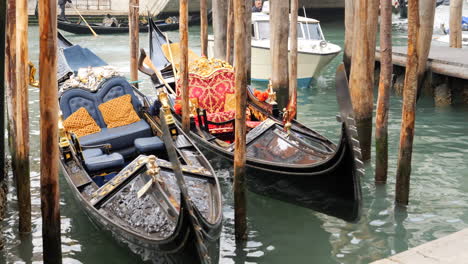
{"points": [[279, 232]]}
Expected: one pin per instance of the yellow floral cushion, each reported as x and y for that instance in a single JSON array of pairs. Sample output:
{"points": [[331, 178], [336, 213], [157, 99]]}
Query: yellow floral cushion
{"points": [[119, 112], [230, 102], [81, 123]]}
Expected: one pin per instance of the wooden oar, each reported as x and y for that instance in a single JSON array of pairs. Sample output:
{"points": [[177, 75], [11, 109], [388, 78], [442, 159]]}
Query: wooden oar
{"points": [[147, 61], [90, 28], [185, 198], [170, 56]]}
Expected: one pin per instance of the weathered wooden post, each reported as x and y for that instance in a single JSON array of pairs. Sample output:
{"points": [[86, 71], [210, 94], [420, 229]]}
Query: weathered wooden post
{"points": [[240, 47], [230, 32], [362, 70], [48, 94], [279, 50], [409, 107], [456, 7], [219, 27], [293, 58], [21, 170], [133, 23], [183, 31], [386, 69], [3, 172], [426, 28], [349, 25], [10, 53], [204, 27], [248, 39]]}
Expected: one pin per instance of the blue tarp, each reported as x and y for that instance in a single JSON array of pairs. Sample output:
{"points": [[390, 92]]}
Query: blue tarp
{"points": [[78, 57], [464, 20]]}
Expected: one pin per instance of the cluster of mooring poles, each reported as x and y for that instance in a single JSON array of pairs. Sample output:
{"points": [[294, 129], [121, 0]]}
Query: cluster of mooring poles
{"points": [[232, 42], [17, 80], [360, 34]]}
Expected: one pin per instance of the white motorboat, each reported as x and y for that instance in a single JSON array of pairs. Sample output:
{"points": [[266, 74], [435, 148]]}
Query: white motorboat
{"points": [[446, 38], [314, 52]]}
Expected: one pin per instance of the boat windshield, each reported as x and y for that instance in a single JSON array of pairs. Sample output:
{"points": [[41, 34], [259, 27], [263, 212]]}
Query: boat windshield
{"points": [[304, 31], [263, 30], [311, 31]]}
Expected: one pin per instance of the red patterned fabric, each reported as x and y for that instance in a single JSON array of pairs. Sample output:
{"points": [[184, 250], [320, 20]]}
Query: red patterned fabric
{"points": [[211, 90], [221, 117], [211, 93]]}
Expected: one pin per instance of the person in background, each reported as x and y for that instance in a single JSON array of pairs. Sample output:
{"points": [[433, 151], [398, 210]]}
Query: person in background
{"points": [[257, 6], [62, 4], [110, 21]]}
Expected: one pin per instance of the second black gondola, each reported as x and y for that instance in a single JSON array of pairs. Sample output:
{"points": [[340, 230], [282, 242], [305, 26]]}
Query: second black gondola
{"points": [[298, 166]]}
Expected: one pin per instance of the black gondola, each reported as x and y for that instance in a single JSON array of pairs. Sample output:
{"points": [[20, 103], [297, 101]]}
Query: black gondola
{"points": [[124, 188], [301, 167], [100, 29]]}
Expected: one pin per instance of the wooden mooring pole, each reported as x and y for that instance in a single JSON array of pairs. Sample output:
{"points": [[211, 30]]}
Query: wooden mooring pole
{"points": [[133, 17], [48, 94], [3, 172], [230, 32], [219, 27], [204, 27], [183, 31], [456, 7], [248, 40], [362, 70], [240, 207], [409, 107], [292, 105], [349, 25], [21, 169], [426, 28], [10, 54], [279, 50], [386, 69]]}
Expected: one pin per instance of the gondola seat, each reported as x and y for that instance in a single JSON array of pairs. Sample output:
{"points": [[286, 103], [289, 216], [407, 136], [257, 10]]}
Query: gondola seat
{"points": [[149, 145], [120, 138], [212, 91], [95, 160]]}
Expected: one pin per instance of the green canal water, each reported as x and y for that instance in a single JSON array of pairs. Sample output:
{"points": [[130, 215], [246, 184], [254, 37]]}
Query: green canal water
{"points": [[280, 232]]}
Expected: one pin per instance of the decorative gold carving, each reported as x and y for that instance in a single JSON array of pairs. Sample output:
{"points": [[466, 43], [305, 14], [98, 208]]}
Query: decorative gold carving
{"points": [[258, 114], [32, 75], [63, 135], [153, 171], [271, 94], [166, 108], [205, 67]]}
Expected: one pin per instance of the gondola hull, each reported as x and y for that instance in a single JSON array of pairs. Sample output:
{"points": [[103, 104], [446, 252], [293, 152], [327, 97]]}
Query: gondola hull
{"points": [[178, 248], [102, 30], [332, 188]]}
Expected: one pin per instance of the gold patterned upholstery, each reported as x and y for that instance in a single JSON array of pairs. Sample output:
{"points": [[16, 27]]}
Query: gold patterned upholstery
{"points": [[119, 112], [175, 49], [230, 102]]}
